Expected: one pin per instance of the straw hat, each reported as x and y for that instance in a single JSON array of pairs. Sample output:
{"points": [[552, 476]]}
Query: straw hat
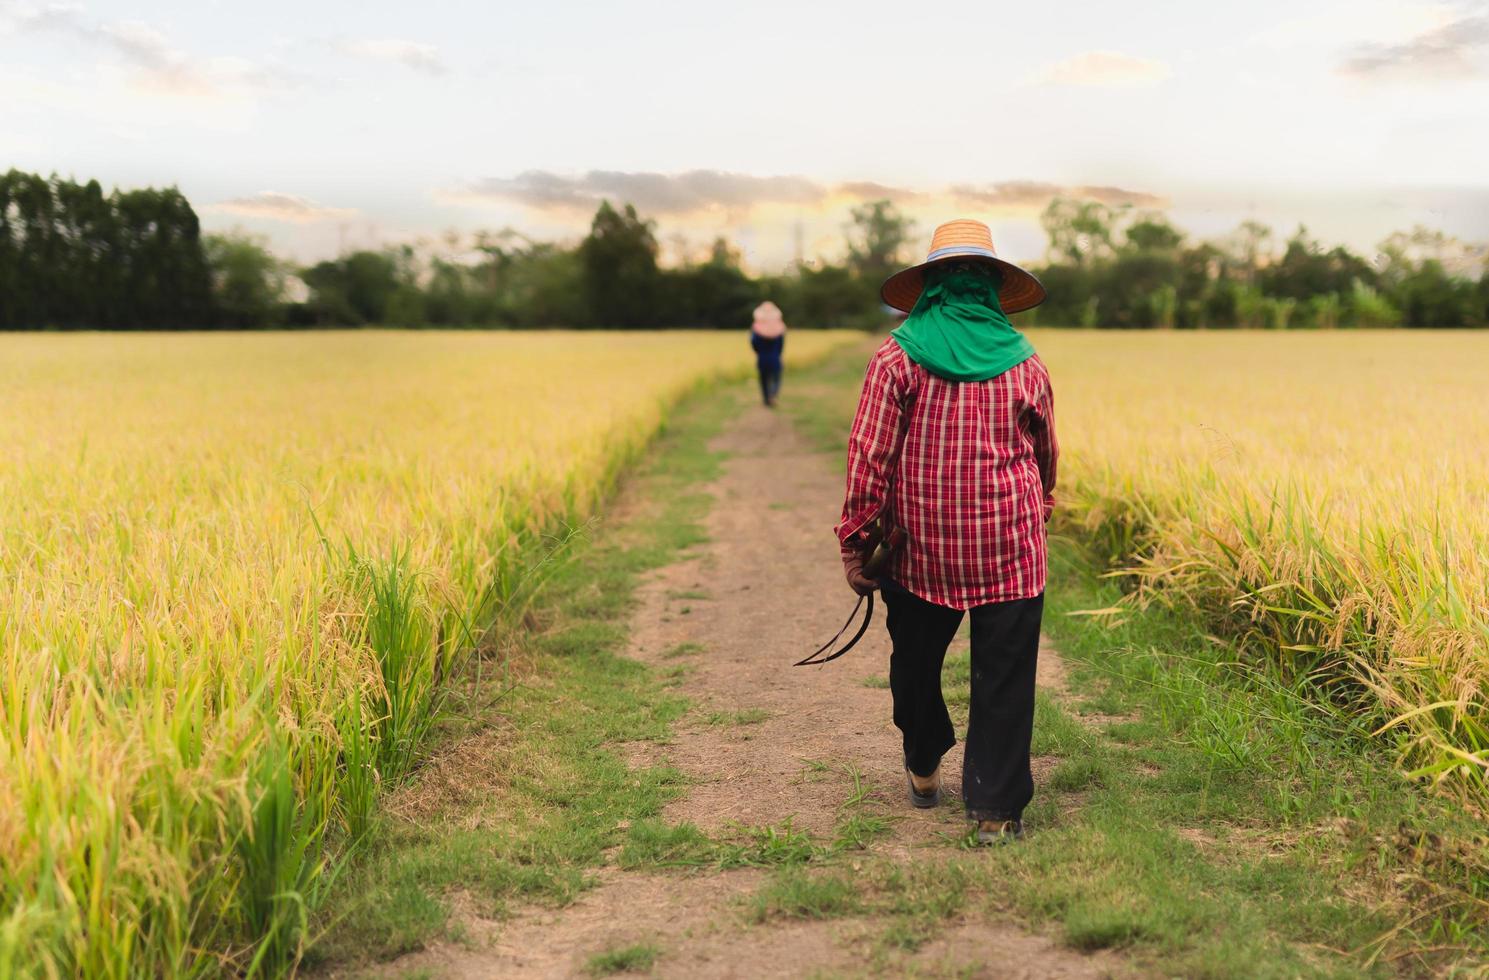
{"points": [[768, 321], [964, 239]]}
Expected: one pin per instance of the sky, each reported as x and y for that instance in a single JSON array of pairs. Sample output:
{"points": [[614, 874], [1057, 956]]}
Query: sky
{"points": [[329, 125]]}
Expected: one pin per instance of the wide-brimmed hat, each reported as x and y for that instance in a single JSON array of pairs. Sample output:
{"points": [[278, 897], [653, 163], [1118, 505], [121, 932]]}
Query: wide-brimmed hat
{"points": [[964, 239]]}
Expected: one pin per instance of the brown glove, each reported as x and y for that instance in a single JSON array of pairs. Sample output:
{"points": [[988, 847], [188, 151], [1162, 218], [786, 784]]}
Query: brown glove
{"points": [[857, 581]]}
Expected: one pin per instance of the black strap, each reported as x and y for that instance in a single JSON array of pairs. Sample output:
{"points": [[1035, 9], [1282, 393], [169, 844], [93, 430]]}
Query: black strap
{"points": [[812, 661], [868, 616]]}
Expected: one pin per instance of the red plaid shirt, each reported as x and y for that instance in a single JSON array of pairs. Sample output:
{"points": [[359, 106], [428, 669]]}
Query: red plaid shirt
{"points": [[975, 481]]}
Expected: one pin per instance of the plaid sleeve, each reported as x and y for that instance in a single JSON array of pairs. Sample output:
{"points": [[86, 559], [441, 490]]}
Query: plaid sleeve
{"points": [[871, 444], [1046, 446]]}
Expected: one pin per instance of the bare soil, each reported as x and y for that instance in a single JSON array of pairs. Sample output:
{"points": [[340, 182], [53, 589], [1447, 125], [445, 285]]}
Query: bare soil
{"points": [[766, 743]]}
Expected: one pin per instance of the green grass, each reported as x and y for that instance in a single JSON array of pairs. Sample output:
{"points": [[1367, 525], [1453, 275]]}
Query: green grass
{"points": [[859, 821], [653, 844], [527, 816], [687, 648], [796, 893], [769, 847], [676, 674], [821, 405], [856, 830], [918, 898], [1227, 808], [629, 959], [650, 843], [1074, 775]]}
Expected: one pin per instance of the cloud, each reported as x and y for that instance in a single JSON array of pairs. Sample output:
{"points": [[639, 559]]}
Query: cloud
{"points": [[868, 190], [157, 65], [280, 207], [698, 191], [420, 57], [1030, 193], [1104, 68], [1011, 193], [654, 193], [1448, 51], [1116, 196]]}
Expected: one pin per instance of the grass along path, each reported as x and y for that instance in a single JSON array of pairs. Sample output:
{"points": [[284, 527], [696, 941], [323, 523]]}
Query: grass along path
{"points": [[523, 798], [662, 793]]}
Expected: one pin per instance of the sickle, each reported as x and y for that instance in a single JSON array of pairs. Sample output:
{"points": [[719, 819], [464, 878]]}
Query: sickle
{"points": [[812, 661]]}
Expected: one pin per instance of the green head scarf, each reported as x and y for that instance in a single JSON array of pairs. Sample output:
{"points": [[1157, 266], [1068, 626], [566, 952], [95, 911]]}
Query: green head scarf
{"points": [[957, 329]]}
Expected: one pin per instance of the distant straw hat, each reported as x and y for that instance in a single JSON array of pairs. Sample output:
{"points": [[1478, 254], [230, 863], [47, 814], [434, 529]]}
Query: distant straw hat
{"points": [[768, 321], [964, 239]]}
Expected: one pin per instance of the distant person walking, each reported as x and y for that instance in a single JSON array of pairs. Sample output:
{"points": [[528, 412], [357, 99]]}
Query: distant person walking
{"points": [[768, 338], [954, 442]]}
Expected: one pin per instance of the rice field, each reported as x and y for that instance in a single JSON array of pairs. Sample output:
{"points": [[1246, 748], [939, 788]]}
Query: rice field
{"points": [[1321, 497], [235, 571]]}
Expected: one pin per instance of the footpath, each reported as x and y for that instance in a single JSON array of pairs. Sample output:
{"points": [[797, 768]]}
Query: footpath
{"points": [[790, 755]]}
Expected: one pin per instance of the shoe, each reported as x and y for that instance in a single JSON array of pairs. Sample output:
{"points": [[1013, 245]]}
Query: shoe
{"points": [[999, 831], [925, 791]]}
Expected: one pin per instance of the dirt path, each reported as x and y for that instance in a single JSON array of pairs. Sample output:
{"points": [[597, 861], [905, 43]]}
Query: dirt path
{"points": [[764, 745]]}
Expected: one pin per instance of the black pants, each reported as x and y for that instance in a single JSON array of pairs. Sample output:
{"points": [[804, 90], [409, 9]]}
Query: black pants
{"points": [[770, 382], [996, 781]]}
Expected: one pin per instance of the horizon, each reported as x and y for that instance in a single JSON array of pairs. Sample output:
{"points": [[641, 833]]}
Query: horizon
{"points": [[1356, 120]]}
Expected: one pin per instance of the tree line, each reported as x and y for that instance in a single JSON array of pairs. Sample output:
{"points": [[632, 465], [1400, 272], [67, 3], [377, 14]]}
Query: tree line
{"points": [[74, 257], [611, 278], [1111, 267]]}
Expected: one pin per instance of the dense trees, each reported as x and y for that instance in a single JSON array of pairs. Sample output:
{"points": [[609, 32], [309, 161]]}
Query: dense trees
{"points": [[876, 241], [619, 260], [715, 293], [72, 256], [364, 288], [1112, 268], [248, 281]]}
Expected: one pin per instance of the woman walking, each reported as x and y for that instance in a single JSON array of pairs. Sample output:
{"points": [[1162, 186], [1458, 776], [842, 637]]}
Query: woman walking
{"points": [[954, 441], [768, 338]]}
